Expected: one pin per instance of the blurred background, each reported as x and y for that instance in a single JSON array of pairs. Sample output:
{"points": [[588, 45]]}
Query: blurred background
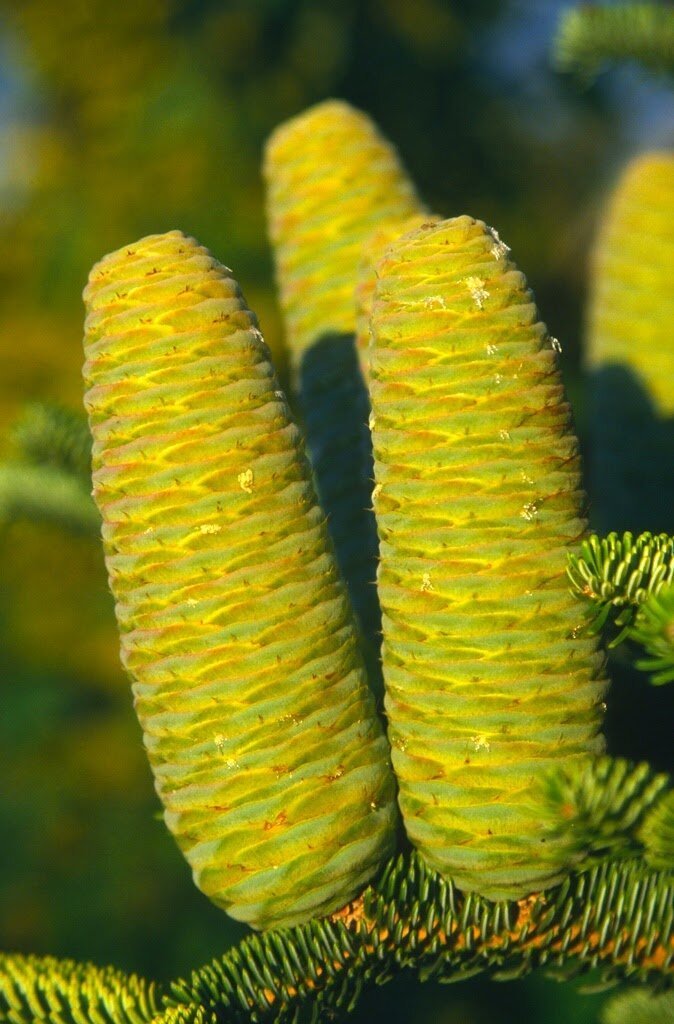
{"points": [[122, 119]]}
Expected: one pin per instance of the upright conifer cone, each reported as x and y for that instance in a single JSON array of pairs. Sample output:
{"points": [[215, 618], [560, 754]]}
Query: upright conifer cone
{"points": [[630, 352], [236, 630], [332, 180], [477, 500], [632, 301]]}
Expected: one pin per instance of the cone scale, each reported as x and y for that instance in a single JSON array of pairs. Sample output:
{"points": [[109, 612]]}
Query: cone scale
{"points": [[236, 629], [477, 498], [374, 249]]}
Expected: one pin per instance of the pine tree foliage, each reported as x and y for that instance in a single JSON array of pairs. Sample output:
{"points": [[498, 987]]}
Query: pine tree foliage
{"points": [[48, 478], [618, 573], [186, 1014], [654, 630], [50, 435], [43, 989], [599, 808], [629, 581], [616, 916], [46, 494], [639, 1006], [593, 35], [658, 834]]}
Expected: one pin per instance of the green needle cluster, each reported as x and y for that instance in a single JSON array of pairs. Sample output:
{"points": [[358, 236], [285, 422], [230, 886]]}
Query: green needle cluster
{"points": [[44, 990]]}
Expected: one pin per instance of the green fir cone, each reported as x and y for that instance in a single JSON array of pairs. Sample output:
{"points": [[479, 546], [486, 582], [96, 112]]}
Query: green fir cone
{"points": [[632, 305], [331, 180], [630, 352], [236, 629], [488, 680]]}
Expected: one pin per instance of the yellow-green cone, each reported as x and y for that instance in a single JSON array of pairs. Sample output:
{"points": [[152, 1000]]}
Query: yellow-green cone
{"points": [[632, 304], [332, 179], [477, 499], [630, 352], [236, 629]]}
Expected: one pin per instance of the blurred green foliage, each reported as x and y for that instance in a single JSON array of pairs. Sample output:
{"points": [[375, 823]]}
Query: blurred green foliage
{"points": [[124, 119]]}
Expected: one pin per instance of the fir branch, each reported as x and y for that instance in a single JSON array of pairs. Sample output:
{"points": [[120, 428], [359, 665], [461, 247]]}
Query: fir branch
{"points": [[593, 36], [628, 582], [43, 989], [654, 630], [639, 1006], [658, 834], [616, 916], [599, 806], [616, 574], [50, 435], [46, 494], [186, 1014]]}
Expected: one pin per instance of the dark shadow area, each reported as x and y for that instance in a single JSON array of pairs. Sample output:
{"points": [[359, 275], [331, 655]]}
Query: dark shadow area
{"points": [[631, 487], [631, 452], [477, 1000], [334, 406], [639, 716]]}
